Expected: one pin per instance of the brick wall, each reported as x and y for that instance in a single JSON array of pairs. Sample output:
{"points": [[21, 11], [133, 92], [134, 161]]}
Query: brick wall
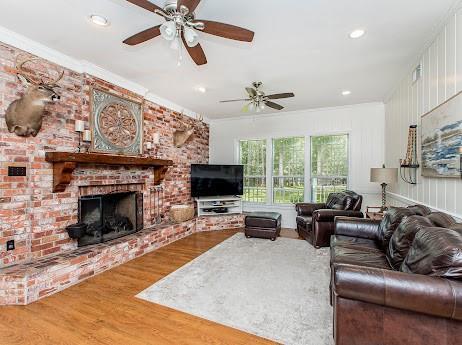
{"points": [[35, 217]]}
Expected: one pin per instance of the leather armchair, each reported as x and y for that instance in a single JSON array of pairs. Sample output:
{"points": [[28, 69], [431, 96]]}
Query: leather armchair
{"points": [[315, 221]]}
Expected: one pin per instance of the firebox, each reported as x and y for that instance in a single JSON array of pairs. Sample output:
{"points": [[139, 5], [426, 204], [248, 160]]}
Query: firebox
{"points": [[110, 216]]}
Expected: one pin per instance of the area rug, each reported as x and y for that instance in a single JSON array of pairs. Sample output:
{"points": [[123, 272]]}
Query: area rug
{"points": [[276, 290]]}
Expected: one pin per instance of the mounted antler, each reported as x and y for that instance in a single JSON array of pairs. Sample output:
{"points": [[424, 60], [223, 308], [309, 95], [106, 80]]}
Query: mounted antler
{"points": [[182, 136], [24, 115]]}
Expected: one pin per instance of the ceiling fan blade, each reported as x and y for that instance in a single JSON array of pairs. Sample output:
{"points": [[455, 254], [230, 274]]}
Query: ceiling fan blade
{"points": [[190, 4], [196, 52], [252, 92], [281, 95], [143, 36], [237, 100], [146, 5], [274, 105], [227, 31]]}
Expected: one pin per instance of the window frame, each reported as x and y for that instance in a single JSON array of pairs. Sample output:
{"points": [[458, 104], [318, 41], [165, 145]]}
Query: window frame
{"points": [[269, 164], [237, 159], [273, 139]]}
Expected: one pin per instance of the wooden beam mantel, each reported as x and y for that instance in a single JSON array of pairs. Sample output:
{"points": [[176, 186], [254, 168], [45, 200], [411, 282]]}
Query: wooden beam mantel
{"points": [[64, 164]]}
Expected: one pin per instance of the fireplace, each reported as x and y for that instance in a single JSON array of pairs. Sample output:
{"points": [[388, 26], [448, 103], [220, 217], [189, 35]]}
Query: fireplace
{"points": [[110, 216]]}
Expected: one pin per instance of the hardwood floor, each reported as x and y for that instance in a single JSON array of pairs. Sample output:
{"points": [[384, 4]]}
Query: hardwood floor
{"points": [[104, 310]]}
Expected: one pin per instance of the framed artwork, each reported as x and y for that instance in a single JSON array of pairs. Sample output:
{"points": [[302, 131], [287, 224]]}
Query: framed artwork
{"points": [[116, 124], [442, 139]]}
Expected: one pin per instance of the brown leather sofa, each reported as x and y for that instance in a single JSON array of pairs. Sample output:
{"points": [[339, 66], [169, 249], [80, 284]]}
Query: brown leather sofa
{"points": [[398, 281], [315, 221]]}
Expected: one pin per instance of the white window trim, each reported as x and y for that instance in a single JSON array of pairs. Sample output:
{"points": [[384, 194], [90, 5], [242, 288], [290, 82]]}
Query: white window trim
{"points": [[307, 176]]}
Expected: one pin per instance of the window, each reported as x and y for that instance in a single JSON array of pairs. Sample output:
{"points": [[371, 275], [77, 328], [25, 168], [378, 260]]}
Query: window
{"points": [[252, 155], [288, 170], [329, 165]]}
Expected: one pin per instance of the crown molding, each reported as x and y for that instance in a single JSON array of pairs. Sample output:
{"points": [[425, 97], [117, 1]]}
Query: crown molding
{"points": [[82, 66]]}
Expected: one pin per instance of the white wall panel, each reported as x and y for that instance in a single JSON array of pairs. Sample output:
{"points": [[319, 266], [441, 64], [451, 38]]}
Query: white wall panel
{"points": [[441, 79], [364, 123]]}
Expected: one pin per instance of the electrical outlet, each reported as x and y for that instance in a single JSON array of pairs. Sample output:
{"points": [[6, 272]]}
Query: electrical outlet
{"points": [[16, 171], [10, 245]]}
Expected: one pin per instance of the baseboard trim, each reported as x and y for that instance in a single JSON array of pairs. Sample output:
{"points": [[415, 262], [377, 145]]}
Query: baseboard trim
{"points": [[409, 201]]}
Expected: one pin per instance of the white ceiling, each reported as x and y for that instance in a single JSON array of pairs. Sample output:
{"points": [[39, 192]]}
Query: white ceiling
{"points": [[300, 46]]}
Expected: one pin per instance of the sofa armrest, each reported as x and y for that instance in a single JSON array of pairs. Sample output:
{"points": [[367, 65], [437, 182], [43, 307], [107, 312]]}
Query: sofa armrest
{"points": [[329, 215], [413, 292], [307, 209], [357, 227]]}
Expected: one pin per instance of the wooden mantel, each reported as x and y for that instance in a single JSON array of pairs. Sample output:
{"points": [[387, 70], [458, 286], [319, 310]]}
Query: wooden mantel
{"points": [[64, 164]]}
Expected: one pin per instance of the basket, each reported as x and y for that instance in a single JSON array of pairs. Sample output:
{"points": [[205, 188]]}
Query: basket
{"points": [[181, 213]]}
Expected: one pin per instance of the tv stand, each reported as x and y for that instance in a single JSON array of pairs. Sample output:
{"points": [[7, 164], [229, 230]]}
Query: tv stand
{"points": [[218, 205]]}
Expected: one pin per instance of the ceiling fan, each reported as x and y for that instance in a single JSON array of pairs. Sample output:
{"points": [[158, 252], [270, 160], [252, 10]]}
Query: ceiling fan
{"points": [[181, 28], [258, 100]]}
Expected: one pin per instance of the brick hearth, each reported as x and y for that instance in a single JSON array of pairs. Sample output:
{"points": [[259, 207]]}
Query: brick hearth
{"points": [[25, 283]]}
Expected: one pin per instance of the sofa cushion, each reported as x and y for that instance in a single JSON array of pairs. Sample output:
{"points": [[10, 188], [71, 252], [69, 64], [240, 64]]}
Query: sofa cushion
{"points": [[304, 220], [420, 210], [359, 256], [435, 252], [342, 201], [441, 220], [456, 227], [403, 237], [353, 242], [390, 222]]}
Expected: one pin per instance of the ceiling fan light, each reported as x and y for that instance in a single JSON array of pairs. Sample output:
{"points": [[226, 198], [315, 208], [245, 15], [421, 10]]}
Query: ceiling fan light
{"points": [[168, 30], [191, 37]]}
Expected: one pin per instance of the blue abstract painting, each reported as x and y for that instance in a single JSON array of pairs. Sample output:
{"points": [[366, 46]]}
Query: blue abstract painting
{"points": [[442, 140]]}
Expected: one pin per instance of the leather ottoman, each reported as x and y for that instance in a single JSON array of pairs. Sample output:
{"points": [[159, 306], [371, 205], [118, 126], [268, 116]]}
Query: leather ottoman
{"points": [[263, 225]]}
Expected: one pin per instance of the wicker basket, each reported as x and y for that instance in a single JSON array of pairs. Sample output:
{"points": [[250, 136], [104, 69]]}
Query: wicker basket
{"points": [[181, 213]]}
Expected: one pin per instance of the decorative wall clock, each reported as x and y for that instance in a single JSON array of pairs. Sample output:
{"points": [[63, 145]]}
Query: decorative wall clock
{"points": [[116, 124]]}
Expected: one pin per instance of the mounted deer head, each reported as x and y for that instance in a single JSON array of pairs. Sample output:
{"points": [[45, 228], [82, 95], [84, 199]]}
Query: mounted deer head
{"points": [[181, 137], [24, 115]]}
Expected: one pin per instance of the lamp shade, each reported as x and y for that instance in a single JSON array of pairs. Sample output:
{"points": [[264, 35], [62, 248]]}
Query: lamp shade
{"points": [[168, 30], [384, 175]]}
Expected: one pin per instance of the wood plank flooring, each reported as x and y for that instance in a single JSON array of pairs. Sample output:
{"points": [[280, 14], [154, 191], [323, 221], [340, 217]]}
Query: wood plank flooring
{"points": [[104, 310]]}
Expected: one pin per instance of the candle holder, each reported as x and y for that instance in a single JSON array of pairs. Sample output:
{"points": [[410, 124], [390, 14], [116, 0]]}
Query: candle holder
{"points": [[79, 128]]}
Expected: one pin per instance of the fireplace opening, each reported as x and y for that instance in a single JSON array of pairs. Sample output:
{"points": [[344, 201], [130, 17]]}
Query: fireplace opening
{"points": [[110, 216]]}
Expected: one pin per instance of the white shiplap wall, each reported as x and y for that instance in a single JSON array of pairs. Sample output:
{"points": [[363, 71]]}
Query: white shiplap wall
{"points": [[363, 122], [441, 79]]}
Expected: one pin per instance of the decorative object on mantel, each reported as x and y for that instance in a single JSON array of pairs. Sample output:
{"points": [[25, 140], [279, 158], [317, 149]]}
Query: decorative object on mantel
{"points": [[384, 176], [442, 139], [24, 116], [157, 204], [408, 166], [64, 164], [180, 137], [79, 128], [116, 124], [181, 213]]}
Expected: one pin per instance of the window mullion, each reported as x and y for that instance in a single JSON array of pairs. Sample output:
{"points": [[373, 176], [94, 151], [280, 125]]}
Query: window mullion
{"points": [[269, 171]]}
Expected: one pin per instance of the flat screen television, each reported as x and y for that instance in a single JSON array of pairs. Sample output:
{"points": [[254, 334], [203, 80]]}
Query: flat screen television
{"points": [[216, 180]]}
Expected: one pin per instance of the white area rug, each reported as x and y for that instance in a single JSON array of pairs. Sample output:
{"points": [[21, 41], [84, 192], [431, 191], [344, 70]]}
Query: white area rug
{"points": [[276, 290]]}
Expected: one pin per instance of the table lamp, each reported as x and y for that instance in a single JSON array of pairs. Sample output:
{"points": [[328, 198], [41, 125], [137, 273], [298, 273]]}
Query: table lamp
{"points": [[384, 176]]}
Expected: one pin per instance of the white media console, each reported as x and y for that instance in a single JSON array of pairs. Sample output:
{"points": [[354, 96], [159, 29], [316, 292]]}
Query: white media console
{"points": [[218, 205]]}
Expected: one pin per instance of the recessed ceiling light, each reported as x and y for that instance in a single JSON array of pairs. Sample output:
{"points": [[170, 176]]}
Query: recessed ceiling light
{"points": [[346, 92], [357, 33], [99, 20], [201, 89]]}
